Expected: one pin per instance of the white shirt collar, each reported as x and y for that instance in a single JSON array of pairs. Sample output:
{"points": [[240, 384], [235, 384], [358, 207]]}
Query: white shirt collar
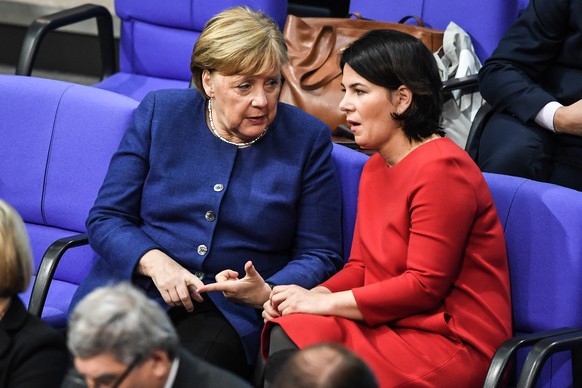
{"points": [[173, 373]]}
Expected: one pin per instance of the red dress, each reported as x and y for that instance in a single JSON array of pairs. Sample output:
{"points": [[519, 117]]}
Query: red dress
{"points": [[428, 270]]}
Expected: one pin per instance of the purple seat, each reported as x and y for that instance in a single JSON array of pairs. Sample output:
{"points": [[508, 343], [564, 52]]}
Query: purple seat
{"points": [[484, 21], [349, 164], [156, 39], [56, 142], [543, 225], [389, 11]]}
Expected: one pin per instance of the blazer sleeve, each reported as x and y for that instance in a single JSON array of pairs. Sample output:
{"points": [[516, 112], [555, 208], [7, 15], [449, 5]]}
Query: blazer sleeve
{"points": [[316, 253], [510, 78], [113, 221]]}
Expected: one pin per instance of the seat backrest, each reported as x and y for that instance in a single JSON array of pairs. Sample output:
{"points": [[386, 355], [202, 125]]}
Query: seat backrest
{"points": [[157, 37], [543, 231], [348, 164], [390, 11], [56, 140], [484, 21]]}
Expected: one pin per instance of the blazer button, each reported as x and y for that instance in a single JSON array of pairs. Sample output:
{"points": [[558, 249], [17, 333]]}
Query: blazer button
{"points": [[200, 275], [202, 249], [210, 216], [218, 187]]}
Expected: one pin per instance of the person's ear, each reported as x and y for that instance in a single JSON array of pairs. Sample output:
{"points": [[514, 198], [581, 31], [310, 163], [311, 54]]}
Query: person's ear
{"points": [[402, 99], [160, 363], [207, 83]]}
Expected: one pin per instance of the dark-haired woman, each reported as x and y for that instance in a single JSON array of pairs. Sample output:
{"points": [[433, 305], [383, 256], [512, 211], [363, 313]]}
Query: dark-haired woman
{"points": [[424, 298]]}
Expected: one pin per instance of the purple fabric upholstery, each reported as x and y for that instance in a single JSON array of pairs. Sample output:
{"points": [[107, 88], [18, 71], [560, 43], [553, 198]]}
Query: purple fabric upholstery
{"points": [[57, 140], [156, 51], [522, 5], [192, 14], [137, 86], [484, 21], [349, 164], [391, 11], [543, 227], [157, 40]]}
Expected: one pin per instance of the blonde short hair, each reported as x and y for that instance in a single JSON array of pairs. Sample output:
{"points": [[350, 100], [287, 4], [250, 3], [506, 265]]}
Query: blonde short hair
{"points": [[15, 253], [238, 41]]}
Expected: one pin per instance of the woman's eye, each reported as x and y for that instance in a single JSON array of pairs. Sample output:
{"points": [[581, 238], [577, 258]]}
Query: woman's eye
{"points": [[244, 86], [272, 84]]}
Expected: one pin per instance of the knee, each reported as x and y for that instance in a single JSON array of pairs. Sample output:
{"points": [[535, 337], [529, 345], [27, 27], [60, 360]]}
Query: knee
{"points": [[510, 147]]}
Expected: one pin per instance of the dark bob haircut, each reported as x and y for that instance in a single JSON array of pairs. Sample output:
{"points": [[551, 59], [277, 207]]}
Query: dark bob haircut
{"points": [[392, 58]]}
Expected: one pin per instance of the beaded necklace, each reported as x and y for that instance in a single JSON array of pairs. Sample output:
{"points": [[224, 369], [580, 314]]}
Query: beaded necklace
{"points": [[239, 145]]}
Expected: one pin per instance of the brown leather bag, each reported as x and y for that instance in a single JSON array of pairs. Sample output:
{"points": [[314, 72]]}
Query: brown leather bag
{"points": [[312, 76]]}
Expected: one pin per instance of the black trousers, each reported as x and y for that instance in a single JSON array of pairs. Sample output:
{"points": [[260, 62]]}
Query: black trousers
{"points": [[206, 333], [508, 146], [281, 348]]}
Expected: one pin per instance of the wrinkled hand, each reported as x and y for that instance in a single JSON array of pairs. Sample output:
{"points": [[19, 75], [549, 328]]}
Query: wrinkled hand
{"points": [[176, 284], [269, 310], [568, 119], [294, 299], [251, 289]]}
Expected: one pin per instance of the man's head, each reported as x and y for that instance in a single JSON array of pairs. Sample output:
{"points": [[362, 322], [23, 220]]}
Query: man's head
{"points": [[325, 365], [119, 337]]}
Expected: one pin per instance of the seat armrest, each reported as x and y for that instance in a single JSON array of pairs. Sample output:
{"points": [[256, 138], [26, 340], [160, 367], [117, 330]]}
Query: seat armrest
{"points": [[474, 137], [47, 268], [507, 350], [544, 349], [453, 84], [44, 24]]}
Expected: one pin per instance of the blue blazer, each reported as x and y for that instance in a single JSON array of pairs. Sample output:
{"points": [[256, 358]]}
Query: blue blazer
{"points": [[172, 185]]}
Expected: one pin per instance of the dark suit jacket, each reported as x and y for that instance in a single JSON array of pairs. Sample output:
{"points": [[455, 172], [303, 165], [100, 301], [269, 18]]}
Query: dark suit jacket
{"points": [[195, 372], [32, 354], [538, 60]]}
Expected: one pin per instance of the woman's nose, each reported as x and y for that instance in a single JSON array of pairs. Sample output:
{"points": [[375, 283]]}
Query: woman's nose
{"points": [[259, 99], [344, 104]]}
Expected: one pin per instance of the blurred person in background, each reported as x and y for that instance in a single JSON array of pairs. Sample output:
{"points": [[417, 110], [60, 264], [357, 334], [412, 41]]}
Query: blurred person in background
{"points": [[32, 354], [121, 338]]}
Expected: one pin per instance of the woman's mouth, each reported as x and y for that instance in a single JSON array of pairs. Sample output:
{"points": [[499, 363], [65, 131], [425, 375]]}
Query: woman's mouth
{"points": [[354, 125], [257, 120]]}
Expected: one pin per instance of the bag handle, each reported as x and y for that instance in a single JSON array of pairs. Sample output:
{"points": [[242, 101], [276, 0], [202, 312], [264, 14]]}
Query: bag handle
{"points": [[359, 16], [419, 21], [325, 38]]}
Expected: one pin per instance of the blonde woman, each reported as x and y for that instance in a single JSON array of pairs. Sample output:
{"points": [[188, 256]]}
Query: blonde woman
{"points": [[32, 354], [220, 190]]}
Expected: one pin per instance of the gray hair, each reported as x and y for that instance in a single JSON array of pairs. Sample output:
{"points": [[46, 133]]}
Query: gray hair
{"points": [[122, 321]]}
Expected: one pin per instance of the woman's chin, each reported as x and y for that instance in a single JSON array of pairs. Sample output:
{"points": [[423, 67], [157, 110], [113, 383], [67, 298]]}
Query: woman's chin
{"points": [[251, 134]]}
